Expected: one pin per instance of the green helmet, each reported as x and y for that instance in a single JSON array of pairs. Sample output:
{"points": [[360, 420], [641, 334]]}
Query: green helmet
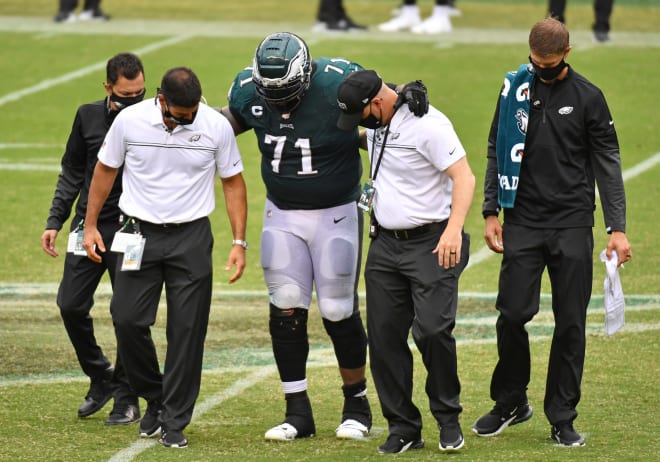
{"points": [[281, 70]]}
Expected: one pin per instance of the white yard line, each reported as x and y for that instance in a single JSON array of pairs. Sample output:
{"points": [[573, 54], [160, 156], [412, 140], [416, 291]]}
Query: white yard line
{"points": [[29, 146], [68, 77], [181, 31], [202, 408], [325, 356]]}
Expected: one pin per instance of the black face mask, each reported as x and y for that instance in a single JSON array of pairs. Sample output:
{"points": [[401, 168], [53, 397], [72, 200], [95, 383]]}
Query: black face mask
{"points": [[548, 73], [178, 120], [124, 101], [370, 122]]}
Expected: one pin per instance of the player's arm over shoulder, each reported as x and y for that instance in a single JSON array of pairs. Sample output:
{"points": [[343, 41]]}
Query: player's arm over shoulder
{"points": [[240, 93]]}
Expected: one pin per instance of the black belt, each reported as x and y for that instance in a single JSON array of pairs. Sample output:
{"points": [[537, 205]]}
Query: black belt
{"points": [[162, 225], [405, 234], [167, 225]]}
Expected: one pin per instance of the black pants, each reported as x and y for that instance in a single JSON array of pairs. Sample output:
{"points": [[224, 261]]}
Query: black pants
{"points": [[567, 255], [330, 10], [75, 298], [178, 257], [437, 2], [406, 288], [602, 13], [70, 5]]}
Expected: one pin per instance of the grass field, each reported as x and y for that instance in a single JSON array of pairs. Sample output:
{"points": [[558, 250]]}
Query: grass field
{"points": [[49, 69]]}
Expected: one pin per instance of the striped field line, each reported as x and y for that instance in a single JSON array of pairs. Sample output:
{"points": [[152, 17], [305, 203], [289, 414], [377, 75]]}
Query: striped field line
{"points": [[68, 77], [202, 408]]}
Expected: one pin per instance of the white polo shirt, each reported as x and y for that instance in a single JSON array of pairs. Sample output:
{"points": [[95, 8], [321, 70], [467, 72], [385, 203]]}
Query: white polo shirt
{"points": [[411, 187], [169, 177]]}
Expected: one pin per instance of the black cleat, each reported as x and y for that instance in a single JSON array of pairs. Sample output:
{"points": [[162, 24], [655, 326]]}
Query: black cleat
{"points": [[173, 439], [123, 414], [499, 418], [150, 424], [397, 444], [451, 438], [100, 392], [565, 435]]}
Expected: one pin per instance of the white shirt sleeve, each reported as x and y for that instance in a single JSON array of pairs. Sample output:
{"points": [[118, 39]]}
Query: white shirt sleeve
{"points": [[441, 147], [228, 157]]}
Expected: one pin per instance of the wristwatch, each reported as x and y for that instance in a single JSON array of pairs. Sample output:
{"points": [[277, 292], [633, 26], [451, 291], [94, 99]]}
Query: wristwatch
{"points": [[240, 242]]}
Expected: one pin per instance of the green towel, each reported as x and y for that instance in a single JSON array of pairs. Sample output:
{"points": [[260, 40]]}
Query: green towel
{"points": [[511, 132]]}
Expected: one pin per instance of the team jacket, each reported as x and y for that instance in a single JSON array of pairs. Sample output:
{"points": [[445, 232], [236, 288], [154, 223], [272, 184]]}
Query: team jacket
{"points": [[571, 143], [89, 128]]}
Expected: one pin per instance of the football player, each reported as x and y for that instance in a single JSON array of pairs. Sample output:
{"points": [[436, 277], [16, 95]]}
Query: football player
{"points": [[312, 226]]}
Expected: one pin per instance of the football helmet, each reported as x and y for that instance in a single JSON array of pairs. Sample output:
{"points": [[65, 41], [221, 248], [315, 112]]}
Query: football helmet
{"points": [[281, 70]]}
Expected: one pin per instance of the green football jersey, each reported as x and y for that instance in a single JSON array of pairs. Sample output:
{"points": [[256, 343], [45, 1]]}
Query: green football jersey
{"points": [[306, 161]]}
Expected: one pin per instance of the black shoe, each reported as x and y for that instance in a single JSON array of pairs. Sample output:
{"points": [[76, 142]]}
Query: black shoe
{"points": [[93, 15], [123, 414], [601, 36], [451, 438], [65, 16], [344, 24], [500, 417], [150, 424], [173, 439], [98, 395], [396, 444], [565, 435]]}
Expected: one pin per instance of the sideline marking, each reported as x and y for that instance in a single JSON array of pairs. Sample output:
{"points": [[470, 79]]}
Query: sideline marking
{"points": [[318, 358], [67, 78], [246, 29], [29, 146], [582, 39], [325, 355], [202, 408]]}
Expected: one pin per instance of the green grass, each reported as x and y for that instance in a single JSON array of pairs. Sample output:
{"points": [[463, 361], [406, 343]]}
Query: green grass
{"points": [[40, 381], [41, 387]]}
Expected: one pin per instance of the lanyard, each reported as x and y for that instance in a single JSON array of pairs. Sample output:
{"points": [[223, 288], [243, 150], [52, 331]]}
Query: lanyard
{"points": [[134, 223], [382, 148], [380, 155]]}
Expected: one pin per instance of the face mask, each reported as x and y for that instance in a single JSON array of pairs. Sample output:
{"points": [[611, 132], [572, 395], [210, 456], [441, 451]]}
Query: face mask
{"points": [[178, 120], [124, 101], [549, 73], [370, 121]]}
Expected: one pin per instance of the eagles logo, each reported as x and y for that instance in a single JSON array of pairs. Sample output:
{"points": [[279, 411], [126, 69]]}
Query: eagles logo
{"points": [[522, 117]]}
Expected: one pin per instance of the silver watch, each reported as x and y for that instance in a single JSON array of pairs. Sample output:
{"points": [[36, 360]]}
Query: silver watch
{"points": [[240, 242]]}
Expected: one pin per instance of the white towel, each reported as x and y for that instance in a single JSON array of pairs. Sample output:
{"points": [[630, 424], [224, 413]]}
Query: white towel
{"points": [[613, 295]]}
